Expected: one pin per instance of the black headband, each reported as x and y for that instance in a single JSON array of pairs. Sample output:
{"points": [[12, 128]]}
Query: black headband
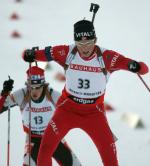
{"points": [[84, 28]]}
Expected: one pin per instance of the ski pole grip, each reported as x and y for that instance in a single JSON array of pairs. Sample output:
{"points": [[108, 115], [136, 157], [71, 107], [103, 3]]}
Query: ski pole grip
{"points": [[94, 8], [35, 48]]}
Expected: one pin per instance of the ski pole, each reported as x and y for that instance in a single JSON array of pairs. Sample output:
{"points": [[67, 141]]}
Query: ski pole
{"points": [[94, 8], [29, 114], [8, 138], [35, 49], [140, 77]]}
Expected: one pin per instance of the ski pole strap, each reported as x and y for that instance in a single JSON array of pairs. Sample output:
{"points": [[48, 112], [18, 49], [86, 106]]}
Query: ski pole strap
{"points": [[100, 59], [70, 57]]}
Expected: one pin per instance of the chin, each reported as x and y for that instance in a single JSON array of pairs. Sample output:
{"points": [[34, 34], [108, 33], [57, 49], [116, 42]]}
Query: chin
{"points": [[86, 55], [35, 98]]}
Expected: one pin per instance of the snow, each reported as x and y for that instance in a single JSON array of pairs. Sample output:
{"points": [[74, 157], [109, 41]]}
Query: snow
{"points": [[120, 25]]}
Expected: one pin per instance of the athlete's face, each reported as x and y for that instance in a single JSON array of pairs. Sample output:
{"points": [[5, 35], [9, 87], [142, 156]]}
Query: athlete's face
{"points": [[85, 47], [36, 92]]}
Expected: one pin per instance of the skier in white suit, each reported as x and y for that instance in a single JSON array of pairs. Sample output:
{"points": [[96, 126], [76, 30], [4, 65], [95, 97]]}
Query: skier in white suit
{"points": [[42, 106]]}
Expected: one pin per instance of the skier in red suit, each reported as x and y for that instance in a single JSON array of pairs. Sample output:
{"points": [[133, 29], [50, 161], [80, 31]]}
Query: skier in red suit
{"points": [[81, 104]]}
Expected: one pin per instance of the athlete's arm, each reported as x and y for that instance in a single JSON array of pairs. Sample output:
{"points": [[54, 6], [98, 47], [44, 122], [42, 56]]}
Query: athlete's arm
{"points": [[115, 61], [12, 100], [56, 53]]}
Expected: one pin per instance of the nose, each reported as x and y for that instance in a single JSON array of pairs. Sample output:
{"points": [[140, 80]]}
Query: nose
{"points": [[86, 47]]}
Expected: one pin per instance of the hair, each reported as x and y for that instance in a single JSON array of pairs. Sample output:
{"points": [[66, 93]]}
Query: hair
{"points": [[46, 92]]}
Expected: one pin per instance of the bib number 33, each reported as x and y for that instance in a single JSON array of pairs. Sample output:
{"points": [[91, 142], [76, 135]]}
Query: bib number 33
{"points": [[83, 83]]}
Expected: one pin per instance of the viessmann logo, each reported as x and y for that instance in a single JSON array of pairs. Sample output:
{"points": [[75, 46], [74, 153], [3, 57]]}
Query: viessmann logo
{"points": [[85, 68]]}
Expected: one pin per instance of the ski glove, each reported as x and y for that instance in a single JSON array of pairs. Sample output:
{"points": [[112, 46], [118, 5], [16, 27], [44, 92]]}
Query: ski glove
{"points": [[138, 67], [134, 66], [7, 87], [29, 55]]}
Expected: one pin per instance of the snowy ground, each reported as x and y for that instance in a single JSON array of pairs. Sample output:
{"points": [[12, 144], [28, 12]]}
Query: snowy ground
{"points": [[120, 25]]}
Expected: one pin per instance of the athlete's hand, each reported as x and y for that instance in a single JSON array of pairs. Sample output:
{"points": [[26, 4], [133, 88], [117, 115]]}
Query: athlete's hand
{"points": [[29, 55], [138, 67], [134, 66], [7, 87]]}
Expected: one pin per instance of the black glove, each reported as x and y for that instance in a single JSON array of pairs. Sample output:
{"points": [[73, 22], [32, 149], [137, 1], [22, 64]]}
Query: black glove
{"points": [[134, 66], [7, 87], [29, 55]]}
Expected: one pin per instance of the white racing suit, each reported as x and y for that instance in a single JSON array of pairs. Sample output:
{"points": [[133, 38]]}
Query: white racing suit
{"points": [[41, 113]]}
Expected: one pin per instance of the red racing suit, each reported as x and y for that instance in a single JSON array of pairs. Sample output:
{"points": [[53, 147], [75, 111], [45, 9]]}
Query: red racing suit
{"points": [[81, 104]]}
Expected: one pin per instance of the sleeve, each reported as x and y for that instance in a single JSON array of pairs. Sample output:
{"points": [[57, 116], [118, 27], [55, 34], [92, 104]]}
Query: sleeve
{"points": [[18, 96], [56, 53], [115, 61], [2, 101], [6, 102], [12, 100]]}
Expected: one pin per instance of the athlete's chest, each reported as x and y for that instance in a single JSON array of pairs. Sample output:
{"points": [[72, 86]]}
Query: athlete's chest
{"points": [[44, 106], [80, 65], [84, 78]]}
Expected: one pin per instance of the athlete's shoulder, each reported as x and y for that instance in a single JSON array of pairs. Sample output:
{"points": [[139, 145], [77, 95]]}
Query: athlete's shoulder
{"points": [[18, 95], [102, 49], [109, 54], [60, 53]]}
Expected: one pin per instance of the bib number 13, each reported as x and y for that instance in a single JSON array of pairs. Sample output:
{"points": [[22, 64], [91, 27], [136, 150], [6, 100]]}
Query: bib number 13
{"points": [[83, 83], [38, 120]]}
